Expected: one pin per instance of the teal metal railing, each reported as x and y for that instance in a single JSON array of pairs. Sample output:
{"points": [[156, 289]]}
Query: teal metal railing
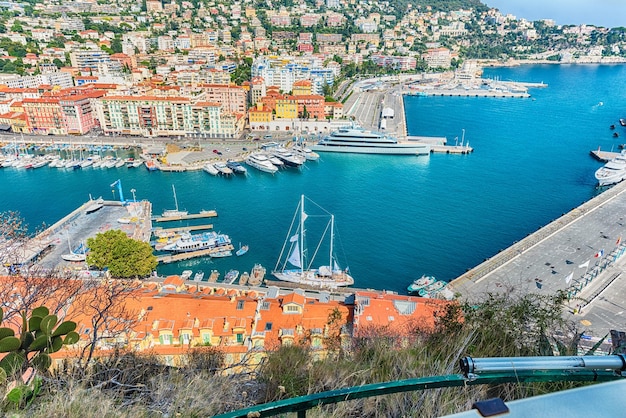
{"points": [[478, 371]]}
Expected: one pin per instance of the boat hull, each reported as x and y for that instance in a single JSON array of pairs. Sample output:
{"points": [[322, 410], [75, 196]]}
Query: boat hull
{"points": [[391, 149], [312, 278]]}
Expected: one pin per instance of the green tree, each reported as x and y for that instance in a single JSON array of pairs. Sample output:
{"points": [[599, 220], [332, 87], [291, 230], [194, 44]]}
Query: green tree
{"points": [[124, 257]]}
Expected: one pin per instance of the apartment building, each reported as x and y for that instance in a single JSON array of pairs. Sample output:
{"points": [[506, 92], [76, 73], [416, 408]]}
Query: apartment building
{"points": [[165, 116]]}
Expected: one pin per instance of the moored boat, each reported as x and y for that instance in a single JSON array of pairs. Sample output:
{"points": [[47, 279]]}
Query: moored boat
{"points": [[198, 276], [236, 167], [223, 168], [420, 283], [257, 275], [432, 289], [287, 157], [294, 250], [261, 162], [358, 140], [243, 279], [242, 250], [186, 274], [231, 276], [210, 168], [613, 171], [173, 213]]}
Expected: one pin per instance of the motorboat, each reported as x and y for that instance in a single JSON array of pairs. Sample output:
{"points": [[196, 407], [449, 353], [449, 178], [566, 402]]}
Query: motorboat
{"points": [[231, 276], [307, 153], [261, 162], [622, 122], [243, 279], [210, 168], [287, 157], [329, 275], [242, 250], [236, 167], [420, 283], [256, 275], [360, 141], [432, 289], [186, 275], [151, 165], [613, 171], [278, 163], [223, 168], [198, 276]]}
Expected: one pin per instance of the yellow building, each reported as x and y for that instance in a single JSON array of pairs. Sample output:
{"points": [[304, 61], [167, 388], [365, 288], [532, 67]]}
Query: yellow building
{"points": [[259, 115], [302, 88], [286, 109]]}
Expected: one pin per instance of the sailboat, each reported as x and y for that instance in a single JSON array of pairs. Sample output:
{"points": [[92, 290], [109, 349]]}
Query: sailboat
{"points": [[79, 254], [172, 213], [327, 276]]}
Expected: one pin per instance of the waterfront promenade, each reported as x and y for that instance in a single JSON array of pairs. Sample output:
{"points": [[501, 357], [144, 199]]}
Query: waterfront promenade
{"points": [[580, 253]]}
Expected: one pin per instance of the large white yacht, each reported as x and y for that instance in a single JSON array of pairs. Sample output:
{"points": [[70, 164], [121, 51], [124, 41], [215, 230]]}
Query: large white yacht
{"points": [[612, 172], [361, 141]]}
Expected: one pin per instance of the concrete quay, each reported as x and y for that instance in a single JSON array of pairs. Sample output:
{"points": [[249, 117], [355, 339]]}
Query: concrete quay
{"points": [[580, 253]]}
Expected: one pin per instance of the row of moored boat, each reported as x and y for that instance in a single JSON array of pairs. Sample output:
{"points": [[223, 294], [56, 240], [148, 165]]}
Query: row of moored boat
{"points": [[32, 162]]}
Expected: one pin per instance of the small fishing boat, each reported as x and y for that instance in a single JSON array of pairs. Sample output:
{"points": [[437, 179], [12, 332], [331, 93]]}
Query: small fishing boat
{"points": [[256, 275], [214, 276], [231, 276], [242, 250], [186, 274], [243, 279], [420, 283], [198, 276]]}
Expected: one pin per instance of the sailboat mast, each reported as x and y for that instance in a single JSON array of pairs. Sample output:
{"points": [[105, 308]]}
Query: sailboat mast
{"points": [[332, 236], [302, 215], [175, 199]]}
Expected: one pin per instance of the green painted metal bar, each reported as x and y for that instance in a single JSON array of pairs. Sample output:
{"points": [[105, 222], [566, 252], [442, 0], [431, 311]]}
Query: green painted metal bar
{"points": [[303, 403]]}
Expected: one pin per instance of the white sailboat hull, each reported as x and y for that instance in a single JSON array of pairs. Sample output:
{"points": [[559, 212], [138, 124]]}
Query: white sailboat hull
{"points": [[313, 278]]}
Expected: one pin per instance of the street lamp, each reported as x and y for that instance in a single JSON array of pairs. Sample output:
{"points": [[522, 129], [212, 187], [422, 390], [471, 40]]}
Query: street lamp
{"points": [[133, 192]]}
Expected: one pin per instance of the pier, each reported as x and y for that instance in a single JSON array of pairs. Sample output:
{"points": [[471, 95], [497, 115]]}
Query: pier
{"points": [[184, 228], [173, 258], [203, 214], [581, 254], [603, 156]]}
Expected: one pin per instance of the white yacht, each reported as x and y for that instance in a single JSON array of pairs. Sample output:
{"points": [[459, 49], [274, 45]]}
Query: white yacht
{"points": [[612, 172], [261, 162], [287, 157], [360, 141]]}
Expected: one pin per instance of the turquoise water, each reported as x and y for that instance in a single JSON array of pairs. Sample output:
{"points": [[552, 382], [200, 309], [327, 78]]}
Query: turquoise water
{"points": [[396, 217]]}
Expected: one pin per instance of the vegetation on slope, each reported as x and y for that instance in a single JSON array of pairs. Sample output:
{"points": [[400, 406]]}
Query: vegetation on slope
{"points": [[131, 384]]}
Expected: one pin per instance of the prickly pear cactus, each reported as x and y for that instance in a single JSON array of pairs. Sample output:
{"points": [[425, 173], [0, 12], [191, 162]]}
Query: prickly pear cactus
{"points": [[41, 336]]}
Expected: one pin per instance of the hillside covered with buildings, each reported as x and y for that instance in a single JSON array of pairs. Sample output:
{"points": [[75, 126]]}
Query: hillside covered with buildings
{"points": [[212, 69]]}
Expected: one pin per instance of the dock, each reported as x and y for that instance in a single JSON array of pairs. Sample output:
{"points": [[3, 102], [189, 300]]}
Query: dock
{"points": [[580, 254], [166, 259], [203, 214], [451, 149], [603, 156], [184, 228]]}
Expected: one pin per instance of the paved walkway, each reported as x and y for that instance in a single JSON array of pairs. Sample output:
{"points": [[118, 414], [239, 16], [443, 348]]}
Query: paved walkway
{"points": [[581, 253]]}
